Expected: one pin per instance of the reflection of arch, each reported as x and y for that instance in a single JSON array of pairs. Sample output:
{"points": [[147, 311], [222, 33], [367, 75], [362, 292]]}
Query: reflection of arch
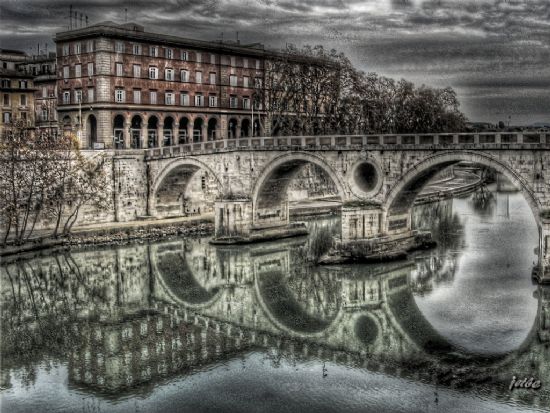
{"points": [[245, 128], [170, 186], [212, 127], [367, 329], [271, 186], [401, 197], [232, 128], [176, 278], [91, 130], [285, 312]]}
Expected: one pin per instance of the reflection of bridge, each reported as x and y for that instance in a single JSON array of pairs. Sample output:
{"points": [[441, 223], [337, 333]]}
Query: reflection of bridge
{"points": [[184, 303], [376, 177]]}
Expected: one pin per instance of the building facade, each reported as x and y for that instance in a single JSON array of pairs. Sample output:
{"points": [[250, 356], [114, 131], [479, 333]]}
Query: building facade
{"points": [[17, 89], [121, 87]]}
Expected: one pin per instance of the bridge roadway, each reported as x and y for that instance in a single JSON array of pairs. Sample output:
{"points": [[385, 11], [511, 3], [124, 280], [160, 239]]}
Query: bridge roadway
{"points": [[377, 179]]}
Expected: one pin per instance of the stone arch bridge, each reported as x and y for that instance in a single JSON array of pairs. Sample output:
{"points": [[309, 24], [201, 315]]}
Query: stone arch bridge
{"points": [[377, 179]]}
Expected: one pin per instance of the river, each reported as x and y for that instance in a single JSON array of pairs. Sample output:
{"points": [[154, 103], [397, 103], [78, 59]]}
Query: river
{"points": [[180, 325]]}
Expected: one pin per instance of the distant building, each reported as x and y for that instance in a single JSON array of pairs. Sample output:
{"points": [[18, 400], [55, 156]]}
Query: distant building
{"points": [[17, 89], [121, 87]]}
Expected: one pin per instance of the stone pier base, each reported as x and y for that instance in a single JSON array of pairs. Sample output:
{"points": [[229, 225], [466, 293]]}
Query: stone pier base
{"points": [[293, 229], [377, 249], [541, 274]]}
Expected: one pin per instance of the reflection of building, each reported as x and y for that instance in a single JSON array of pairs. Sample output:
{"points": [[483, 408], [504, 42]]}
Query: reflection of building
{"points": [[137, 89]]}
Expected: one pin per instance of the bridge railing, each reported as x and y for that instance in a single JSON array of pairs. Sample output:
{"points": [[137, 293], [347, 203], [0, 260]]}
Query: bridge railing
{"points": [[493, 140]]}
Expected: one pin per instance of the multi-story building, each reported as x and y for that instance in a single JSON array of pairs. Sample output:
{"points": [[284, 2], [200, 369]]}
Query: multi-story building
{"points": [[43, 70], [17, 89], [121, 87]]}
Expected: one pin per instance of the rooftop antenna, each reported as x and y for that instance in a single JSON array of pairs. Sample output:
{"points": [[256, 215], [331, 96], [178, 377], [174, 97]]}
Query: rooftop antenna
{"points": [[125, 15], [81, 20], [237, 35], [70, 17], [86, 20]]}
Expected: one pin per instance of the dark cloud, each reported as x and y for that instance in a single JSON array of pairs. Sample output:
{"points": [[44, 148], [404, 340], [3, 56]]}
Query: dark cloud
{"points": [[489, 50]]}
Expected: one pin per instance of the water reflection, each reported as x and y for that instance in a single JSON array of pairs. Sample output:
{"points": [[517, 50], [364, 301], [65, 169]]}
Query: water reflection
{"points": [[123, 322]]}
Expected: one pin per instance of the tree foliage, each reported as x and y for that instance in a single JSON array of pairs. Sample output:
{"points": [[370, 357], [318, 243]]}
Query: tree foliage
{"points": [[45, 178], [312, 90]]}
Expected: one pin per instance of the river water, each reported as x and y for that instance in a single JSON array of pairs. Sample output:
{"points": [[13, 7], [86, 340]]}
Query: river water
{"points": [[179, 325]]}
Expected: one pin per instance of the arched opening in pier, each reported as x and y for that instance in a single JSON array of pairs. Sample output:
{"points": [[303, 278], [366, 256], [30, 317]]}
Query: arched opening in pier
{"points": [[168, 131], [91, 131], [185, 187], [245, 128], [232, 129], [197, 129], [183, 136], [152, 130], [212, 129], [118, 132], [135, 132]]}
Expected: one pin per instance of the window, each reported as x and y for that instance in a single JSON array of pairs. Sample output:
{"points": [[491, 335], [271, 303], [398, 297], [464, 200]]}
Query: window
{"points": [[153, 72], [44, 114], [23, 115], [90, 46], [6, 117], [169, 53], [212, 101], [119, 71], [184, 99], [169, 74], [169, 98], [245, 63], [153, 51], [23, 100], [65, 72], [258, 83], [44, 92], [66, 97], [153, 97], [233, 80], [120, 96], [137, 49], [78, 70], [23, 84], [184, 55], [198, 77], [212, 78], [199, 57], [78, 48], [5, 83], [246, 81], [233, 61], [6, 99], [119, 47], [137, 71], [212, 58], [233, 102], [199, 100], [65, 50], [137, 96], [185, 76], [246, 102], [90, 95], [78, 96], [257, 64], [90, 69]]}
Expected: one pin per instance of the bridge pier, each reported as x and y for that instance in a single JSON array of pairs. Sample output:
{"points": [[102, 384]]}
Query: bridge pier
{"points": [[541, 273], [236, 222], [368, 235]]}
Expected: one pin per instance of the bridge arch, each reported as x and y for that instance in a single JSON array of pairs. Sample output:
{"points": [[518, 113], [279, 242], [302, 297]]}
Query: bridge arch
{"points": [[271, 186], [167, 196], [401, 196]]}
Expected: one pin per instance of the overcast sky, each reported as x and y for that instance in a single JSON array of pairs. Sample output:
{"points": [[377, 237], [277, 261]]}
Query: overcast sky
{"points": [[495, 53]]}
